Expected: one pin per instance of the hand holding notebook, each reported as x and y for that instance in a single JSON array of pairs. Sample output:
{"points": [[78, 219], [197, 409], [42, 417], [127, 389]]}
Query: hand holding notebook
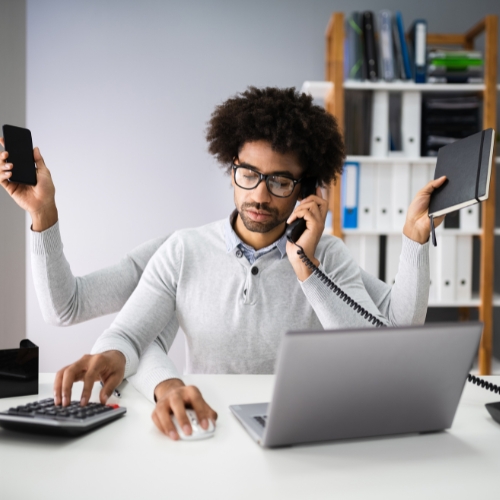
{"points": [[467, 166], [417, 226]]}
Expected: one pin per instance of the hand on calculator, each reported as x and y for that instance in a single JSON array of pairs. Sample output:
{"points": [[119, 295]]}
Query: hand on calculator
{"points": [[108, 367]]}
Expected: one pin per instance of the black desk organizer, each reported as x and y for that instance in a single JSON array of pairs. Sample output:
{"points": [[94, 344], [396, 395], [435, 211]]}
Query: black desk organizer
{"points": [[19, 370]]}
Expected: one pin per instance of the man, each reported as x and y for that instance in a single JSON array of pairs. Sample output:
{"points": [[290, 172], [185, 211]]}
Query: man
{"points": [[234, 286]]}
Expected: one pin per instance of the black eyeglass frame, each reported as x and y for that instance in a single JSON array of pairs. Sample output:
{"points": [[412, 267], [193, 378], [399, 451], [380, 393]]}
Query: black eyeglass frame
{"points": [[265, 177]]}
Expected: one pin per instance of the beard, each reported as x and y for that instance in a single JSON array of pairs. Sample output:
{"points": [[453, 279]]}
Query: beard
{"points": [[273, 221]]}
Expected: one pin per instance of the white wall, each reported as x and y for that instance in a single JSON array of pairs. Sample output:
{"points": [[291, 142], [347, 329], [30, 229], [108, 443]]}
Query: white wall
{"points": [[118, 95], [12, 233]]}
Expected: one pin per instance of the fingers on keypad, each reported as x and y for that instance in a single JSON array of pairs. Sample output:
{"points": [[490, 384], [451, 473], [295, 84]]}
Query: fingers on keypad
{"points": [[47, 408]]}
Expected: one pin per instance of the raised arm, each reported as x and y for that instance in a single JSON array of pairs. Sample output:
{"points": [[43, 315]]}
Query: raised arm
{"points": [[405, 303], [65, 299]]}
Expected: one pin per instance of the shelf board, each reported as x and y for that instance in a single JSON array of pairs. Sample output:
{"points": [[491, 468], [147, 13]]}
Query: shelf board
{"points": [[375, 232], [400, 85], [392, 159], [320, 89], [474, 302]]}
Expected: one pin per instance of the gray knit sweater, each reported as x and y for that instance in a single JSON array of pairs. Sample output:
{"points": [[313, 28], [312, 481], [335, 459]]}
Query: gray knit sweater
{"points": [[232, 313]]}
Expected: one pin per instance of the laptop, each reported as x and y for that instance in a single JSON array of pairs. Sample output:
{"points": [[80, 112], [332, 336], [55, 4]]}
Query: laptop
{"points": [[359, 383]]}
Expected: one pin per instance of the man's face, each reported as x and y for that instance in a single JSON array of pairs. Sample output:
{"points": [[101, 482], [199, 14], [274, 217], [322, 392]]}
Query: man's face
{"points": [[259, 210]]}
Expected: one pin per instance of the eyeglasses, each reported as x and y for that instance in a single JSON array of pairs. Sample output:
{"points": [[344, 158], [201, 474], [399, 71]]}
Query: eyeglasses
{"points": [[278, 185]]}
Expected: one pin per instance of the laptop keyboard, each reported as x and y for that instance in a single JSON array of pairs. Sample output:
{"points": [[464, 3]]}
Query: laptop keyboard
{"points": [[261, 419]]}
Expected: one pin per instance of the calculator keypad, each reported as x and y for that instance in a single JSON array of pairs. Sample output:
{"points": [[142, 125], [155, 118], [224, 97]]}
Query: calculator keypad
{"points": [[46, 409]]}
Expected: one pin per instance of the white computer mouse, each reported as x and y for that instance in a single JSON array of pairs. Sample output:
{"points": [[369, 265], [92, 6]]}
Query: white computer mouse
{"points": [[198, 431]]}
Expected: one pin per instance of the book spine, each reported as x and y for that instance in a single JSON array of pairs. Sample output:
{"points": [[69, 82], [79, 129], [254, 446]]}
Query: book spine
{"points": [[386, 52], [399, 68], [419, 32], [404, 47], [371, 60]]}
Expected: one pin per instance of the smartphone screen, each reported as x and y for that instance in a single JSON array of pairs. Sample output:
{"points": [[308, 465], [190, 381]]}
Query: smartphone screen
{"points": [[19, 145]]}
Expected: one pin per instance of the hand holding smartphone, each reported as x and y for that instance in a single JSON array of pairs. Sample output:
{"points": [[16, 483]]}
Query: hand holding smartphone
{"points": [[19, 144], [30, 187]]}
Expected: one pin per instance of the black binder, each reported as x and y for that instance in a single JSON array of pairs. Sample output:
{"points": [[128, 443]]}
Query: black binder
{"points": [[19, 370], [370, 53]]}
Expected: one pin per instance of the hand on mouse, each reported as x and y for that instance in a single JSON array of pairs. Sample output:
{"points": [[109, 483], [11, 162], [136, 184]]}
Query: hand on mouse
{"points": [[172, 397], [38, 200]]}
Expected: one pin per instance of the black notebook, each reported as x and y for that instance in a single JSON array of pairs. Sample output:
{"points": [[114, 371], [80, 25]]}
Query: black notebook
{"points": [[467, 166]]}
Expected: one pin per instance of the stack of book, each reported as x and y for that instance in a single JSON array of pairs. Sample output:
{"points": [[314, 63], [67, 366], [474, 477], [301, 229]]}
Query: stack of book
{"points": [[455, 66], [376, 48]]}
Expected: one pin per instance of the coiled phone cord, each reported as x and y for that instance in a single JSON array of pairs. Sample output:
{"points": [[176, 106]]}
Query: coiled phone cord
{"points": [[335, 289], [482, 383], [372, 319]]}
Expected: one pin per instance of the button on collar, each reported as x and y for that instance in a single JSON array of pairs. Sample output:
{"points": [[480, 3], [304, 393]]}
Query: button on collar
{"points": [[239, 254]]}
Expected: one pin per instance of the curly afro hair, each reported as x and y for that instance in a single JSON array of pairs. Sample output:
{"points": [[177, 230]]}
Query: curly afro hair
{"points": [[289, 121]]}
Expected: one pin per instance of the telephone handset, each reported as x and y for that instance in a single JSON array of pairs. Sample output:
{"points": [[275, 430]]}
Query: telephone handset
{"points": [[298, 226]]}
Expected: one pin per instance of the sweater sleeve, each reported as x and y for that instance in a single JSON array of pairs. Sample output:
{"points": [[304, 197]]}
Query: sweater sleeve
{"points": [[331, 309], [66, 299], [405, 303], [154, 367], [150, 310]]}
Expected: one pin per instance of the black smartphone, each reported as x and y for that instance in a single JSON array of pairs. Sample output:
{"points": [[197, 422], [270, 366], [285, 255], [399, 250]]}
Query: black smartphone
{"points": [[19, 145], [298, 226]]}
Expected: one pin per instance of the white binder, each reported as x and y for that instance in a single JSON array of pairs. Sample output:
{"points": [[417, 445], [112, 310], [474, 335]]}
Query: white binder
{"points": [[469, 218], [365, 249], [400, 193], [464, 268], [446, 268], [392, 255], [419, 177], [431, 166], [383, 214], [379, 145], [367, 195], [411, 104]]}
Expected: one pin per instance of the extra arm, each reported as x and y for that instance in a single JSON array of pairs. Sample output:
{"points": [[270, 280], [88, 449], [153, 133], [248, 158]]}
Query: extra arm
{"points": [[405, 303], [66, 299]]}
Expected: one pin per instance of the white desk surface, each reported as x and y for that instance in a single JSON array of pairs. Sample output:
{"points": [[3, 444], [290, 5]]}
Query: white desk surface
{"points": [[129, 458]]}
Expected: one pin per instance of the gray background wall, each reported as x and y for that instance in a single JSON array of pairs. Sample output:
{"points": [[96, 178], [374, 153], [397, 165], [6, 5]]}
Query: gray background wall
{"points": [[12, 230], [118, 95]]}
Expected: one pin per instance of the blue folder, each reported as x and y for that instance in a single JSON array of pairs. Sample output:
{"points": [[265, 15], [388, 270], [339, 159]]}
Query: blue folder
{"points": [[350, 195], [404, 46]]}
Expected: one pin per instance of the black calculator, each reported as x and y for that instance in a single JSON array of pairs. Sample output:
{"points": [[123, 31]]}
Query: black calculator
{"points": [[43, 417]]}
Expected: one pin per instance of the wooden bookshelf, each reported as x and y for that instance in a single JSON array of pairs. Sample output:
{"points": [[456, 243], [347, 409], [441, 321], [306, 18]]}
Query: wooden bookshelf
{"points": [[334, 72]]}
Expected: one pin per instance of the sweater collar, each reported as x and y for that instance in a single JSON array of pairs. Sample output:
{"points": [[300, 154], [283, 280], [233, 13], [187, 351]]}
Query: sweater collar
{"points": [[233, 240]]}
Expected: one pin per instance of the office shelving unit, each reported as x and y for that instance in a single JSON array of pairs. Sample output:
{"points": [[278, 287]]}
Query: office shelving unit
{"points": [[334, 66]]}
